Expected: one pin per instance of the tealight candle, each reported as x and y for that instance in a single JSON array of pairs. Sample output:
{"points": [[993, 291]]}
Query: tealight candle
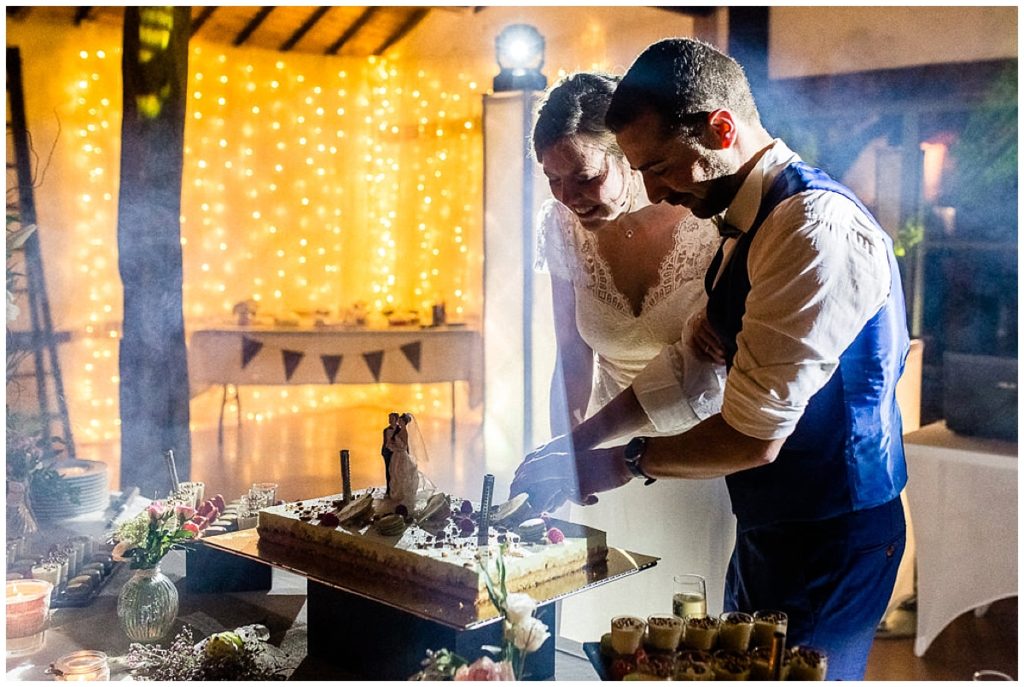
{"points": [[82, 666], [27, 606], [47, 571]]}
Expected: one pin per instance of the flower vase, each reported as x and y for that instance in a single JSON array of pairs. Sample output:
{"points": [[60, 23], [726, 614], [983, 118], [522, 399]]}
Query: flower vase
{"points": [[20, 520], [147, 605]]}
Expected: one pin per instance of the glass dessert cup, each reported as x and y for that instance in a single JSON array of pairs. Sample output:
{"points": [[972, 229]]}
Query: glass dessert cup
{"points": [[664, 632], [808, 664], [731, 665], [627, 633], [692, 665], [735, 630], [701, 632], [766, 624]]}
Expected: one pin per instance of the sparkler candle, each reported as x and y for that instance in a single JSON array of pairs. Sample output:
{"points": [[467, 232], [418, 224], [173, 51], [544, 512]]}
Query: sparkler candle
{"points": [[346, 476], [485, 510], [27, 606]]}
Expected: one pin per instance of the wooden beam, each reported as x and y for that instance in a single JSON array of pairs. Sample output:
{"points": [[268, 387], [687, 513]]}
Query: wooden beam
{"points": [[81, 14], [415, 18], [198, 22], [316, 16], [689, 11], [253, 24], [352, 30]]}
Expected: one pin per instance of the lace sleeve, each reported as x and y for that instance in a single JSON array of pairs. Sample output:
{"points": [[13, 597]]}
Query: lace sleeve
{"points": [[556, 241]]}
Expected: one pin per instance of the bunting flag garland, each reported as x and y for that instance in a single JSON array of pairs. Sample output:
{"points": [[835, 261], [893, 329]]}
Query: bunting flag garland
{"points": [[374, 360], [412, 353], [250, 347], [291, 361], [331, 365]]}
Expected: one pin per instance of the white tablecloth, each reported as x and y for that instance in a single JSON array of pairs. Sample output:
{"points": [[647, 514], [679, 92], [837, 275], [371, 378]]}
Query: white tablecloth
{"points": [[962, 493], [445, 354]]}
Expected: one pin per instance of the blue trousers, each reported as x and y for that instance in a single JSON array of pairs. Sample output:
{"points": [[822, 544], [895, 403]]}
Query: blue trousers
{"points": [[833, 578]]}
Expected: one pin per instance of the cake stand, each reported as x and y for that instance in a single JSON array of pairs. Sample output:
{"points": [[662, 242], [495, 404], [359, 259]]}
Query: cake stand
{"points": [[382, 630]]}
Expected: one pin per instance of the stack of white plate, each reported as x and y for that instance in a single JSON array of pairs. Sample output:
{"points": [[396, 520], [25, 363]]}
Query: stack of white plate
{"points": [[89, 477]]}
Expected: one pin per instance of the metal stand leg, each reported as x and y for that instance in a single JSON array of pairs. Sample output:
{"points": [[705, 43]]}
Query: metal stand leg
{"points": [[453, 419]]}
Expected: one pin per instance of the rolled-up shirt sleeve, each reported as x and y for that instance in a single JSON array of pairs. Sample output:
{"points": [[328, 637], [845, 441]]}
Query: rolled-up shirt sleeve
{"points": [[812, 291], [677, 390]]}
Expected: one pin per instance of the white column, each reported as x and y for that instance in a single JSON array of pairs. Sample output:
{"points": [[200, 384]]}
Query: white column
{"points": [[519, 342]]}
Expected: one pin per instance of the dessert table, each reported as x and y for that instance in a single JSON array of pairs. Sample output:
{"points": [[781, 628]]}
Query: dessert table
{"points": [[962, 494], [379, 629], [232, 356]]}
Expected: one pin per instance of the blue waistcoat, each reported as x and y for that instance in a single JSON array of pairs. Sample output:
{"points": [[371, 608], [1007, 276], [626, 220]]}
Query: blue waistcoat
{"points": [[846, 453]]}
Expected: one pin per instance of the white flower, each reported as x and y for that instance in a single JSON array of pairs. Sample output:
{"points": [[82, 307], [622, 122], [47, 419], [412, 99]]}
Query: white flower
{"points": [[519, 607], [529, 635]]}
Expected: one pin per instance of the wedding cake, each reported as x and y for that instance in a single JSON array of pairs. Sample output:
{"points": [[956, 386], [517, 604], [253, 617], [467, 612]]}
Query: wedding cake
{"points": [[437, 548]]}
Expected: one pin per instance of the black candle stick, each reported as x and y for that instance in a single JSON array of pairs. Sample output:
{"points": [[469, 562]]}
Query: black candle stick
{"points": [[485, 510], [346, 476]]}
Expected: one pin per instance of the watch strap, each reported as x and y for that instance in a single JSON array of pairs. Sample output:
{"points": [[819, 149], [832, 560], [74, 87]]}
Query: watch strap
{"points": [[633, 452]]}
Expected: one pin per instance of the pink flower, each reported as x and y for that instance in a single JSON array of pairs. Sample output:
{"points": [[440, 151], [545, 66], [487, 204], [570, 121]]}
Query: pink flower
{"points": [[156, 511], [191, 527], [555, 536], [485, 669], [184, 512]]}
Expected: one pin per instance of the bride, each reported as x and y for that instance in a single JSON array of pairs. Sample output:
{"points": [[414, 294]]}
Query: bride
{"points": [[628, 284]]}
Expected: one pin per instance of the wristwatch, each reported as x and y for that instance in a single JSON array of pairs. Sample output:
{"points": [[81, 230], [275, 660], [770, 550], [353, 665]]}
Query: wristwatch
{"points": [[633, 452]]}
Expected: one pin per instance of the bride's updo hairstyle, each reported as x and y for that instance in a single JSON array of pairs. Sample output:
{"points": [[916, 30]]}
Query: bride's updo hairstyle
{"points": [[576, 106]]}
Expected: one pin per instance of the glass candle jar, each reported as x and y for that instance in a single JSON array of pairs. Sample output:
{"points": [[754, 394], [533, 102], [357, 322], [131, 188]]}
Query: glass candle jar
{"points": [[82, 666], [27, 607]]}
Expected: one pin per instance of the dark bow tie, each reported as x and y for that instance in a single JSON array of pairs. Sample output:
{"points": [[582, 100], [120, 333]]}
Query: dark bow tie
{"points": [[726, 230]]}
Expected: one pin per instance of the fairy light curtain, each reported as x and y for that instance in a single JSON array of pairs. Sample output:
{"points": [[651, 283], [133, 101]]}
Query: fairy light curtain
{"points": [[310, 183]]}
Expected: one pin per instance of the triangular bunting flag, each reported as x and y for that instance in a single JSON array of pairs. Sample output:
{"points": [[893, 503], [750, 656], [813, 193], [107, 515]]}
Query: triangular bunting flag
{"points": [[331, 365], [374, 359], [250, 347], [412, 353], [291, 361]]}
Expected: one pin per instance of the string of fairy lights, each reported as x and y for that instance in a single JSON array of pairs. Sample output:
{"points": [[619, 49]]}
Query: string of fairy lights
{"points": [[310, 184]]}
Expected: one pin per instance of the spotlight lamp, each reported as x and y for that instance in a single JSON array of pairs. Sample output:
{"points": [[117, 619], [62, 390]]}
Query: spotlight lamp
{"points": [[520, 54]]}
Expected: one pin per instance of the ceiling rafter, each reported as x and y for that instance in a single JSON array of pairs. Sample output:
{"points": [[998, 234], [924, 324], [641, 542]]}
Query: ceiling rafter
{"points": [[198, 22], [352, 30], [253, 24], [410, 23], [310, 22]]}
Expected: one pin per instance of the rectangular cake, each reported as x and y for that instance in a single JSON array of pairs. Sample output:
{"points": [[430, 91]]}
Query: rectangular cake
{"points": [[436, 551]]}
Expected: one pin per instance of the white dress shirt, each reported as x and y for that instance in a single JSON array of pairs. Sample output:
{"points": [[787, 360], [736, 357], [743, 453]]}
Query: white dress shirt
{"points": [[818, 272]]}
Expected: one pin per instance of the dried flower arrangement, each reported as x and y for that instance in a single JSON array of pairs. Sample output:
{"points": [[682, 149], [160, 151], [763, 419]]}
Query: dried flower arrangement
{"points": [[239, 655]]}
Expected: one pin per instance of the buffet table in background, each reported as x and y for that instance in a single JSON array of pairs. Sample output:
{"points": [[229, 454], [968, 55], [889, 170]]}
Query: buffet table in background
{"points": [[334, 354], [962, 493]]}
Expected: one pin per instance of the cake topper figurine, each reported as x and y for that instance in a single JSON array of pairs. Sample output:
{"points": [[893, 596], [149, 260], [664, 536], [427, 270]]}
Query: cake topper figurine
{"points": [[385, 449], [403, 451]]}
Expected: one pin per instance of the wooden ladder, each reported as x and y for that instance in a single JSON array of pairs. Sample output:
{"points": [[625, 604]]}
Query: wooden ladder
{"points": [[39, 342]]}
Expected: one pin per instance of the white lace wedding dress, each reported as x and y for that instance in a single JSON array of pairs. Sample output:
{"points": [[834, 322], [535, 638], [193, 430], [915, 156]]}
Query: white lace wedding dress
{"points": [[686, 523]]}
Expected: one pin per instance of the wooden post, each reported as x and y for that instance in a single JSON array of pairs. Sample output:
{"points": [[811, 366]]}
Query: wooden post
{"points": [[154, 390]]}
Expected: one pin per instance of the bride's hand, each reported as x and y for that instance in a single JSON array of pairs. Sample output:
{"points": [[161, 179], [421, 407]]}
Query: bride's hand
{"points": [[704, 341]]}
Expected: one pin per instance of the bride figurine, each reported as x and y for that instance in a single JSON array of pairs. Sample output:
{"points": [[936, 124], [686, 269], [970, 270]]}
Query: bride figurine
{"points": [[405, 483]]}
